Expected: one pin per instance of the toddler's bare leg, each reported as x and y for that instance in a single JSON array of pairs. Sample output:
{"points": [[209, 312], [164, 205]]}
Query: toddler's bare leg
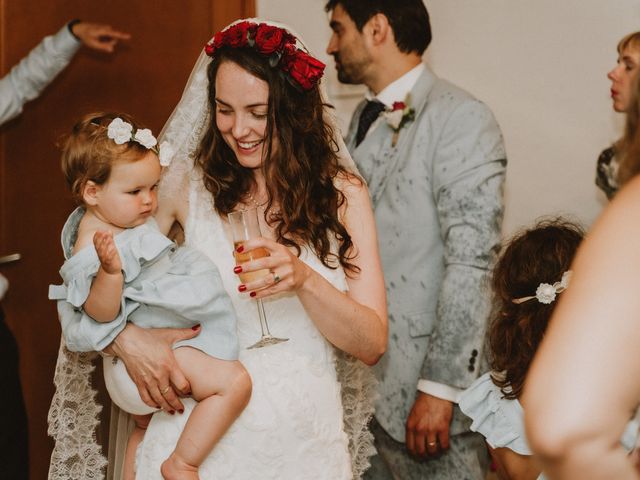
{"points": [[129, 468], [223, 389]]}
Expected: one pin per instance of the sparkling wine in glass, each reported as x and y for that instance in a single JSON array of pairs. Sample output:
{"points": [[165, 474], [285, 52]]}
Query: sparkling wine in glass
{"points": [[245, 226]]}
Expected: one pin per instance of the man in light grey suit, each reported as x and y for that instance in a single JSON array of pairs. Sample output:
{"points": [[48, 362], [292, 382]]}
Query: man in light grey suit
{"points": [[434, 160]]}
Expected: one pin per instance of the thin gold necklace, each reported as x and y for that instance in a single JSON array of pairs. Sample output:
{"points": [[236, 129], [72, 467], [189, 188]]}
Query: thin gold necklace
{"points": [[272, 211], [255, 202]]}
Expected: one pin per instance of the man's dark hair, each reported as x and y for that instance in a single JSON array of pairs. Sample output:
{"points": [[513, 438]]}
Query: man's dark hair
{"points": [[409, 19]]}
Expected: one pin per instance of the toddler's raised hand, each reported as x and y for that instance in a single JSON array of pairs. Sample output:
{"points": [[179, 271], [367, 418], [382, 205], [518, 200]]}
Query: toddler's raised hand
{"points": [[107, 252]]}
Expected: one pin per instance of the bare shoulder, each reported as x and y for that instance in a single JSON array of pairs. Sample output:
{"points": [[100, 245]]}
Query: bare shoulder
{"points": [[352, 186], [611, 245], [621, 218], [86, 231]]}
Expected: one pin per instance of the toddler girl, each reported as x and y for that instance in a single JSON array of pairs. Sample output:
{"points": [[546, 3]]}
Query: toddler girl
{"points": [[527, 280], [120, 268]]}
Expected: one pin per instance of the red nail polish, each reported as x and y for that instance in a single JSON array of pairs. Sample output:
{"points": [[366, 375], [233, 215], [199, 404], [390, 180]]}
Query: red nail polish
{"points": [[237, 269], [252, 294], [195, 327], [181, 411], [242, 288], [240, 249], [172, 412]]}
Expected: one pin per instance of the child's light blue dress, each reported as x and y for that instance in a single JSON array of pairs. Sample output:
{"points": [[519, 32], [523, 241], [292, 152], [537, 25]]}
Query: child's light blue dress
{"points": [[165, 286], [501, 421]]}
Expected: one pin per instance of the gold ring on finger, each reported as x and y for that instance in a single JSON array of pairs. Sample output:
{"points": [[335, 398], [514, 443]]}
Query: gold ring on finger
{"points": [[276, 277], [165, 390]]}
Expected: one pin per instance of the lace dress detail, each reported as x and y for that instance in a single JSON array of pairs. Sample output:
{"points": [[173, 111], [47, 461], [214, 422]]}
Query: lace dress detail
{"points": [[293, 426], [73, 418]]}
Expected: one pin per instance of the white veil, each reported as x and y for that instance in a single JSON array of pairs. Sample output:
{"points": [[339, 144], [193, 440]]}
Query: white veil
{"points": [[73, 415]]}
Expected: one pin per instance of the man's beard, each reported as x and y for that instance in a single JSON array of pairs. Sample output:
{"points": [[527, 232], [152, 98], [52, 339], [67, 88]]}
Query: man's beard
{"points": [[350, 74]]}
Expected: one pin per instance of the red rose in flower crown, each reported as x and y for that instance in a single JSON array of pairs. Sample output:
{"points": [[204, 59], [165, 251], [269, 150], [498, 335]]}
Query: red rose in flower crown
{"points": [[270, 39], [238, 35], [216, 42], [302, 69]]}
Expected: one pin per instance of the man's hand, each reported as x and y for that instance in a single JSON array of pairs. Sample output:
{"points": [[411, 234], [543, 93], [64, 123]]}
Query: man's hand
{"points": [[98, 36], [147, 354], [428, 425]]}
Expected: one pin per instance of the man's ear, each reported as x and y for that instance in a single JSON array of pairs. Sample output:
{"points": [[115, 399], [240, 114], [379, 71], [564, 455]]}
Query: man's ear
{"points": [[90, 193], [379, 29]]}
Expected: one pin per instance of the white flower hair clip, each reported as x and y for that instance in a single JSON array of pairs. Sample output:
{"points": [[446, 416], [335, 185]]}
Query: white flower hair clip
{"points": [[166, 153], [122, 132], [119, 131], [546, 293]]}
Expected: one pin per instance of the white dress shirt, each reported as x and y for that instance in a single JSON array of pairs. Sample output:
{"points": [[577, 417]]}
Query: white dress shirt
{"points": [[396, 91]]}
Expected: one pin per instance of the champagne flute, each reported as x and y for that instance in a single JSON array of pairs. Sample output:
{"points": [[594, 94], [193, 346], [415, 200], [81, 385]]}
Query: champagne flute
{"points": [[245, 226]]}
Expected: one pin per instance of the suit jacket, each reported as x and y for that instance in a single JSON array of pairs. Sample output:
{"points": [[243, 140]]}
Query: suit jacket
{"points": [[437, 198]]}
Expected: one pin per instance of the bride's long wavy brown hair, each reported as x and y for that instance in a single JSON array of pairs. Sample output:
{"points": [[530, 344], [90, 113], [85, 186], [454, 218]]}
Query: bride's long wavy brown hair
{"points": [[299, 175]]}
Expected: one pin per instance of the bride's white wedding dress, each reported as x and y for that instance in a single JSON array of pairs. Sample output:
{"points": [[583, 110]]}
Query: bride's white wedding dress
{"points": [[292, 427]]}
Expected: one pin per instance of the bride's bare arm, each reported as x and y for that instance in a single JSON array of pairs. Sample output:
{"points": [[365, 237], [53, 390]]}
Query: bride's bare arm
{"points": [[173, 207], [355, 322], [585, 379]]}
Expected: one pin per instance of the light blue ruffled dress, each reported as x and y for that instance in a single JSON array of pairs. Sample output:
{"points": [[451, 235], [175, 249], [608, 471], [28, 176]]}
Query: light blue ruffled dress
{"points": [[501, 421], [165, 286]]}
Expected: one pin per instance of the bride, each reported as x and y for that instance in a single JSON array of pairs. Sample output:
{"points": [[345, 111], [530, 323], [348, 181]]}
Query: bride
{"points": [[252, 130]]}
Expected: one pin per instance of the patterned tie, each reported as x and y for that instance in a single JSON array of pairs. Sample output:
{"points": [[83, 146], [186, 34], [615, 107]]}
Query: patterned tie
{"points": [[369, 113]]}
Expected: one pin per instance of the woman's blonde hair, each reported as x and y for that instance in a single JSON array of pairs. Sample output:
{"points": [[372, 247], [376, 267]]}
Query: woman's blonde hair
{"points": [[631, 40], [88, 153], [628, 147]]}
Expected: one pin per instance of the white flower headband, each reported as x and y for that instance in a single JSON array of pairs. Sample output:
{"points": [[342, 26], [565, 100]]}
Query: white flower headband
{"points": [[546, 293], [122, 132]]}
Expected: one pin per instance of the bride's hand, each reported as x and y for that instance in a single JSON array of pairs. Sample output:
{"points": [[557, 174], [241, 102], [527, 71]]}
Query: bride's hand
{"points": [[287, 271], [149, 359]]}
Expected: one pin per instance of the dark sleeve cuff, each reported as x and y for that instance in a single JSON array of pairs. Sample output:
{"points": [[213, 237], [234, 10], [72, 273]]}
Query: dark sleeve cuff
{"points": [[70, 26]]}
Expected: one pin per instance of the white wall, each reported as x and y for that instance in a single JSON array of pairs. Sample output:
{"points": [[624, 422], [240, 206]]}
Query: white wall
{"points": [[541, 66]]}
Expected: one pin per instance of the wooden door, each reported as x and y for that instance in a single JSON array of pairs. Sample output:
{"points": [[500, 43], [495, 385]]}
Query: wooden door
{"points": [[144, 78]]}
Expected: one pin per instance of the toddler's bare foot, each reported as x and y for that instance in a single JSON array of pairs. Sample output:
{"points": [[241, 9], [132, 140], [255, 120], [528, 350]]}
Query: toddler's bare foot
{"points": [[174, 468]]}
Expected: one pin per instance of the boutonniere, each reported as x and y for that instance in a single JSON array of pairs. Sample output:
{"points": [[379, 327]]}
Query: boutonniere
{"points": [[399, 115]]}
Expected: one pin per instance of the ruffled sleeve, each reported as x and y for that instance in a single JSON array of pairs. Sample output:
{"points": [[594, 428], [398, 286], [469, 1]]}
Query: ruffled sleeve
{"points": [[630, 435], [137, 247], [81, 332], [499, 420], [77, 274]]}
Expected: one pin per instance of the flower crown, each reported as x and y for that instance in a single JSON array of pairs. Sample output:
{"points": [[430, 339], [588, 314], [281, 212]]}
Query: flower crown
{"points": [[546, 293], [122, 132], [300, 68]]}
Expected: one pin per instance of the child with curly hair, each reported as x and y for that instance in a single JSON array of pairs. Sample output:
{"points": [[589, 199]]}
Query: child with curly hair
{"points": [[531, 273]]}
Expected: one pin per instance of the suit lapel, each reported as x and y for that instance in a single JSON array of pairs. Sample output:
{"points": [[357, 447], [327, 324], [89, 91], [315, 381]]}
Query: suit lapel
{"points": [[376, 157]]}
